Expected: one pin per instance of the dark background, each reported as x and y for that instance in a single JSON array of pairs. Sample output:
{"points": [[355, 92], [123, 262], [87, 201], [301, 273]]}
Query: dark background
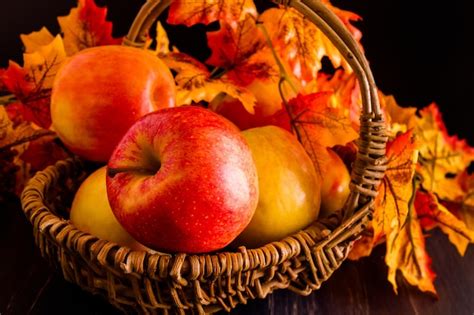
{"points": [[418, 53]]}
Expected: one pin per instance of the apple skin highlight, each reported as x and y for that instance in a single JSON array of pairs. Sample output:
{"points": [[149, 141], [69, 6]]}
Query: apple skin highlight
{"points": [[183, 180]]}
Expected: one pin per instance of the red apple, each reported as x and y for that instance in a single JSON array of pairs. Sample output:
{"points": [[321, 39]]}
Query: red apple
{"points": [[183, 180], [100, 92]]}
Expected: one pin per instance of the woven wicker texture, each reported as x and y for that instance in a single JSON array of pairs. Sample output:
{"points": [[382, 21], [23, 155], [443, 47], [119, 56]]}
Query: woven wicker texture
{"points": [[157, 282]]}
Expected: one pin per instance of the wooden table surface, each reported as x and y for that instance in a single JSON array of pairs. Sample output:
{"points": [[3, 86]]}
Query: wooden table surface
{"points": [[29, 286]]}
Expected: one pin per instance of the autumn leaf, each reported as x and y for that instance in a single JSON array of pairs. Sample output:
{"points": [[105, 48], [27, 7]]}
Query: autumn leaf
{"points": [[194, 83], [85, 27], [35, 40], [43, 152], [465, 204], [346, 18], [345, 92], [259, 66], [162, 40], [362, 247], [14, 140], [433, 214], [191, 12], [234, 43], [406, 253], [18, 135], [399, 119], [317, 126], [299, 42], [314, 117], [442, 156], [396, 189], [32, 83]]}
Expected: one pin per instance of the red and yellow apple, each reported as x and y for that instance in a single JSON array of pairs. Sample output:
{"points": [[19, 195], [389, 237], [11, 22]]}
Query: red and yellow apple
{"points": [[334, 184], [100, 92], [183, 180], [91, 212], [288, 187]]}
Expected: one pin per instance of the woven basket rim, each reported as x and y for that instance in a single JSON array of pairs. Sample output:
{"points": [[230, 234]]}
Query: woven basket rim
{"points": [[43, 182]]}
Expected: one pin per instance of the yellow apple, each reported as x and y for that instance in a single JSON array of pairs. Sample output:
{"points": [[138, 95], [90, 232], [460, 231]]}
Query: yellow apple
{"points": [[335, 183], [91, 212], [289, 197]]}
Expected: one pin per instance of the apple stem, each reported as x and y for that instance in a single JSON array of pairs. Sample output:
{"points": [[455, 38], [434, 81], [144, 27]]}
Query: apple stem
{"points": [[111, 172]]}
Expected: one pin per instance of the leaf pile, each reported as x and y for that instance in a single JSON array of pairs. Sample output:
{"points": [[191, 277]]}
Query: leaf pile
{"points": [[266, 68]]}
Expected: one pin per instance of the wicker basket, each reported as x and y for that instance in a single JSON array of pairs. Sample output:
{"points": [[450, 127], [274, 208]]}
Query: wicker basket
{"points": [[156, 282]]}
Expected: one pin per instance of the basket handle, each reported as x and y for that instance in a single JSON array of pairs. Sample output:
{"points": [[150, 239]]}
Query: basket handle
{"points": [[369, 167]]}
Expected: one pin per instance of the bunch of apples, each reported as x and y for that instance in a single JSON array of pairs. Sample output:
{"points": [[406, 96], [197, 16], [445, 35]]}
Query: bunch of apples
{"points": [[181, 178]]}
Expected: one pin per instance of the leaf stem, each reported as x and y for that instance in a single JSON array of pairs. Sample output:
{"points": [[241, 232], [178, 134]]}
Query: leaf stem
{"points": [[217, 73], [36, 136], [283, 73], [7, 99]]}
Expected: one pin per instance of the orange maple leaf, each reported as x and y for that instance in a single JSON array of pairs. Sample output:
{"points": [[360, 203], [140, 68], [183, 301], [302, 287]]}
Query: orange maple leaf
{"points": [[191, 12], [300, 43], [234, 43], [32, 83], [43, 152], [396, 190], [399, 119], [85, 27], [406, 253], [442, 156], [433, 214], [317, 125], [259, 66], [345, 92]]}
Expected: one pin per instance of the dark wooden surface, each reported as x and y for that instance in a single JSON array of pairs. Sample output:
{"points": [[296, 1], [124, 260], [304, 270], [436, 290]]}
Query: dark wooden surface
{"points": [[29, 286]]}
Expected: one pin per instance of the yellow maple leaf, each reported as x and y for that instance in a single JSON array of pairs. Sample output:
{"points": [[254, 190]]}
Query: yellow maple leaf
{"points": [[194, 83], [441, 156], [35, 40], [406, 253], [162, 40], [399, 119], [44, 63]]}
